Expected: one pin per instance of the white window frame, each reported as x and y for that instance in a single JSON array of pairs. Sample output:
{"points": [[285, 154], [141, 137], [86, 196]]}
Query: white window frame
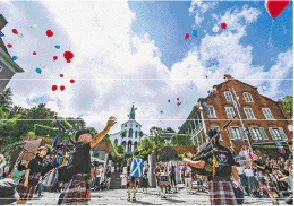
{"points": [[249, 113], [233, 130], [248, 97], [1, 68], [255, 133], [230, 112], [267, 113], [218, 130], [228, 95], [278, 134], [213, 111]]}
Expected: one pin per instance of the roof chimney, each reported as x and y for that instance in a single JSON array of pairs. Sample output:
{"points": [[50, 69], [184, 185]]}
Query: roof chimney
{"points": [[227, 77], [3, 21]]}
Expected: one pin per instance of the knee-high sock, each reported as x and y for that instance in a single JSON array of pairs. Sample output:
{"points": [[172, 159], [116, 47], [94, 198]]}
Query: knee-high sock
{"points": [[135, 191], [129, 192]]}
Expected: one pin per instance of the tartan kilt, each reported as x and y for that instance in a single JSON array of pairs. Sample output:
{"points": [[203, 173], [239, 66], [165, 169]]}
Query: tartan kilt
{"points": [[262, 184], [269, 186], [77, 191], [221, 193], [253, 183], [244, 181], [132, 182], [27, 193]]}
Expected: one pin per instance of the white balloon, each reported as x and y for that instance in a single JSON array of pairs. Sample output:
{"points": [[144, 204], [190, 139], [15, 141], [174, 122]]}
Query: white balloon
{"points": [[43, 65], [264, 87], [20, 35], [34, 26], [215, 29]]}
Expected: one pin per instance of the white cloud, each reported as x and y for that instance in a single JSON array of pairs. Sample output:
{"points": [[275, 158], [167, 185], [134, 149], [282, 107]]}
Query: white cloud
{"points": [[107, 49]]}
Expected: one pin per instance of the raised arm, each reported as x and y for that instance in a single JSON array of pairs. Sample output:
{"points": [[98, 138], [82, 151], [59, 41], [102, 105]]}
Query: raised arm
{"points": [[99, 137], [196, 164]]}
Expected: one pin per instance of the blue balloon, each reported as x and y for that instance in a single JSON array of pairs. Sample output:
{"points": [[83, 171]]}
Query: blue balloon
{"points": [[169, 100], [206, 76], [194, 33], [208, 91], [1, 34], [57, 46], [204, 104], [161, 111], [199, 124], [179, 127], [38, 70], [14, 58], [136, 108]]}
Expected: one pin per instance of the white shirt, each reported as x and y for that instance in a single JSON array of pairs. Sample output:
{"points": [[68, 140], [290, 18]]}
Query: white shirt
{"points": [[240, 172], [249, 172]]}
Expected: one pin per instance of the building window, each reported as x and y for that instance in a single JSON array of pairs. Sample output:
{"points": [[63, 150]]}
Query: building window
{"points": [[248, 97], [136, 134], [249, 113], [230, 112], [216, 128], [236, 133], [210, 112], [258, 133], [277, 133], [267, 113], [228, 96], [1, 68], [131, 131]]}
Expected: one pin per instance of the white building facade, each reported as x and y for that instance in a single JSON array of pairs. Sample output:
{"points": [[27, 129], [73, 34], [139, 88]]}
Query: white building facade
{"points": [[131, 133]]}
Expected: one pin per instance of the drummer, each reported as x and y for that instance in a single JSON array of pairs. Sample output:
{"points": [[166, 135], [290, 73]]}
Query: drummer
{"points": [[163, 181]]}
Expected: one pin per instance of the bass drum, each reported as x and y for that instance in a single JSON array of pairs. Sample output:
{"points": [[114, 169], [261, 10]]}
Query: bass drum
{"points": [[164, 181]]}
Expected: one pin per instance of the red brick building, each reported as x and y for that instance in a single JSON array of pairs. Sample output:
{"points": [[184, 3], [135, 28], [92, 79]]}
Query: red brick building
{"points": [[265, 120]]}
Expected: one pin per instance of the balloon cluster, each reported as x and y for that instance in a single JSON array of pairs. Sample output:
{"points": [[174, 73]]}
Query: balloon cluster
{"points": [[68, 55]]}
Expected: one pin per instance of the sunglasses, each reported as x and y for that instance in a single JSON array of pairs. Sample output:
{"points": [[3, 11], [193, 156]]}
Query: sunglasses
{"points": [[290, 143]]}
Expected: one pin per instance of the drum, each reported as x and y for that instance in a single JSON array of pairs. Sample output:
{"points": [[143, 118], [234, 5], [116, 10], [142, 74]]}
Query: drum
{"points": [[164, 181]]}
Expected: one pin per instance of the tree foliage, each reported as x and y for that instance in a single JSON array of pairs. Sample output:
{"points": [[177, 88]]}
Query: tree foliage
{"points": [[181, 139], [287, 103]]}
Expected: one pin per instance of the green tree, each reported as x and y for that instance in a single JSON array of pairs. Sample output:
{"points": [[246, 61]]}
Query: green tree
{"points": [[106, 138], [287, 103], [155, 130], [146, 147], [181, 139], [169, 130], [192, 119], [6, 100]]}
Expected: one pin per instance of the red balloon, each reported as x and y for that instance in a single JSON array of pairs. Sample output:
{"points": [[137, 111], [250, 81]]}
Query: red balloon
{"points": [[49, 33], [243, 98], [178, 104], [275, 7], [68, 56], [14, 31], [187, 36], [34, 53], [61, 75], [62, 87], [72, 81], [178, 98], [54, 87], [224, 25], [9, 45], [55, 57]]}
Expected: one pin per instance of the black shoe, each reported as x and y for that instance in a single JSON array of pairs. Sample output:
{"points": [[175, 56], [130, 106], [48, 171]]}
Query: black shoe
{"points": [[134, 199], [129, 199]]}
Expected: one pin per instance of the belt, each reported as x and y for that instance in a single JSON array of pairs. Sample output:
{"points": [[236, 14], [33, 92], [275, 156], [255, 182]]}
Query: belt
{"points": [[218, 178]]}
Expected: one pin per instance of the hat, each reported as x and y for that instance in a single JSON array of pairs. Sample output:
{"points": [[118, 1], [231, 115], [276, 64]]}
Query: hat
{"points": [[41, 148]]}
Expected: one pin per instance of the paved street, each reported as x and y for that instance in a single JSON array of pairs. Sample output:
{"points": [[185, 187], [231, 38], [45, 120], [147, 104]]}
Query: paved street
{"points": [[119, 196]]}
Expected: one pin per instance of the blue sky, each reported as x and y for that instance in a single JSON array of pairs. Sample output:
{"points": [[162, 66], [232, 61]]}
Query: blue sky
{"points": [[116, 42], [167, 23]]}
